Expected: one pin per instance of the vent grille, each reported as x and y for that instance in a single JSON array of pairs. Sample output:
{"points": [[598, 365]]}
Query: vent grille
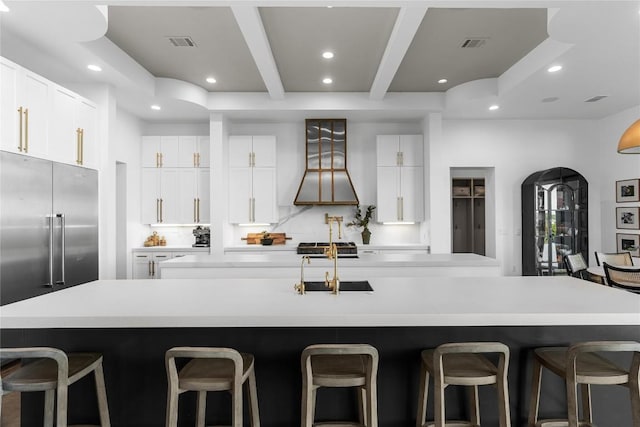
{"points": [[596, 98], [181, 41], [473, 42]]}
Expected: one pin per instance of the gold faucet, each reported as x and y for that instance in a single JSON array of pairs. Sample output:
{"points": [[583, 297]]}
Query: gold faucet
{"points": [[332, 253], [300, 286]]}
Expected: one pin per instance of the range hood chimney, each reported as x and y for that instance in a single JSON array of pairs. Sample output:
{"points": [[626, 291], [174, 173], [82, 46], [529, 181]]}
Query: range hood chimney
{"points": [[326, 180]]}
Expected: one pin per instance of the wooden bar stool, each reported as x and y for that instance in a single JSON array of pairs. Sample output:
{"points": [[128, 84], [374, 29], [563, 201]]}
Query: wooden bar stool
{"points": [[211, 369], [580, 364], [341, 365], [53, 371], [463, 364]]}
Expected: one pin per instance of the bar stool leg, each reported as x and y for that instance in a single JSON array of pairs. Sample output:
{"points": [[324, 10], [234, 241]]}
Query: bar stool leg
{"points": [[252, 394], [572, 402], [438, 397], [49, 403], [236, 398], [585, 393], [172, 406], [201, 408], [423, 396], [101, 392], [474, 405], [372, 404], [308, 402], [61, 407], [503, 404], [534, 399], [361, 395]]}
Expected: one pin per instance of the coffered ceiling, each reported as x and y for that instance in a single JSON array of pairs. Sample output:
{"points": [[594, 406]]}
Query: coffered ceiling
{"points": [[389, 56]]}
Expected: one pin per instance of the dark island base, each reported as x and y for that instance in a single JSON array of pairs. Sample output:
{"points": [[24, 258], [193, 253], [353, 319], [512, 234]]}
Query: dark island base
{"points": [[136, 379]]}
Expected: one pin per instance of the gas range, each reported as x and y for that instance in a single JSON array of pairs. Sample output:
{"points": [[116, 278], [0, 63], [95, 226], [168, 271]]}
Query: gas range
{"points": [[316, 249]]}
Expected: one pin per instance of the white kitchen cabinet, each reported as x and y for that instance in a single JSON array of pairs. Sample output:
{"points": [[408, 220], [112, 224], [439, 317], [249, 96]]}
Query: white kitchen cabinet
{"points": [[400, 187], [145, 261], [160, 151], [160, 196], [399, 150], [252, 151], [252, 180], [194, 196], [73, 129], [24, 110], [193, 151]]}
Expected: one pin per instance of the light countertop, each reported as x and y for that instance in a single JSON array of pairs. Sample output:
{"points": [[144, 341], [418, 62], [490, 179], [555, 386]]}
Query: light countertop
{"points": [[364, 260], [426, 301]]}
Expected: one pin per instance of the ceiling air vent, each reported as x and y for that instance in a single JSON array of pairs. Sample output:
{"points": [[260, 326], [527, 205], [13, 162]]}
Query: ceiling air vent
{"points": [[473, 42], [595, 98], [181, 41]]}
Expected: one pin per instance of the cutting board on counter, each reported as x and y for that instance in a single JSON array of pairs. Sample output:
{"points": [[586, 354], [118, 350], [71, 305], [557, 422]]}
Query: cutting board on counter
{"points": [[278, 238]]}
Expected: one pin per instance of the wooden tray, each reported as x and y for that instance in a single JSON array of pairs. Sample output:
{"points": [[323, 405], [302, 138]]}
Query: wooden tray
{"points": [[278, 238]]}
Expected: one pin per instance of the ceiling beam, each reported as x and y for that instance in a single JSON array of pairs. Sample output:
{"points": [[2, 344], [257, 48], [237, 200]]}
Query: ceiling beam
{"points": [[407, 23], [248, 19]]}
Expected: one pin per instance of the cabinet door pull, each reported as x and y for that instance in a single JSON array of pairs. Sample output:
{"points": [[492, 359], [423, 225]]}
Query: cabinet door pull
{"points": [[153, 269], [398, 208], [195, 213], [401, 208], [26, 130], [161, 159], [21, 127], [149, 267], [198, 210], [198, 159], [157, 159], [195, 163], [82, 146], [78, 146], [253, 159], [157, 210], [161, 218]]}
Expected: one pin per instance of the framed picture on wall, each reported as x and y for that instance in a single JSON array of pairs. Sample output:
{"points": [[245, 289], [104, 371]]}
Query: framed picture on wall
{"points": [[627, 190], [628, 218], [628, 243]]}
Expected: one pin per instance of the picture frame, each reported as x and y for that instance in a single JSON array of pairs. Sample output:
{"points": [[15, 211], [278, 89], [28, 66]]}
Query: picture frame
{"points": [[628, 243], [628, 217], [628, 190]]}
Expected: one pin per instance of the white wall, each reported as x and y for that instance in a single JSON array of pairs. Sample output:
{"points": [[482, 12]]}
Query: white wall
{"points": [[611, 167], [515, 149]]}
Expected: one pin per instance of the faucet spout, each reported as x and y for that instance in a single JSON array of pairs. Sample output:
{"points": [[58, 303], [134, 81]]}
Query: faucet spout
{"points": [[300, 288]]}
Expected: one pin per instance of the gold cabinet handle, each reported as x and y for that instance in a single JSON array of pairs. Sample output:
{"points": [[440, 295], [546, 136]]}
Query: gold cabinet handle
{"points": [[20, 132], [161, 219], [157, 210], [401, 208], [250, 157], [78, 161], [153, 269], [161, 159], [157, 160], [26, 130], [82, 146], [195, 163], [253, 159], [198, 209], [195, 213], [149, 267]]}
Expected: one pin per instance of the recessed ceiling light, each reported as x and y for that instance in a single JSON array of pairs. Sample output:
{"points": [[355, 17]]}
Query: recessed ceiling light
{"points": [[554, 68], [494, 107], [94, 67], [211, 80], [155, 107], [329, 7], [441, 81], [327, 80], [327, 54]]}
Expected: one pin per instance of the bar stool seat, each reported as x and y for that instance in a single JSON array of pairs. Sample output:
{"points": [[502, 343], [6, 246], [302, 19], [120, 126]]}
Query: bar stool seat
{"points": [[581, 364], [211, 369], [463, 364], [340, 365], [52, 371]]}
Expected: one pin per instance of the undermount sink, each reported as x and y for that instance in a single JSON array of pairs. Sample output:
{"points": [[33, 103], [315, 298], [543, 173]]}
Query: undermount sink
{"points": [[345, 286]]}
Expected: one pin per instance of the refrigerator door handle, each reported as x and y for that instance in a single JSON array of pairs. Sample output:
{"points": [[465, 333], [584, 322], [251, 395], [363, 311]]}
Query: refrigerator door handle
{"points": [[63, 247], [50, 284]]}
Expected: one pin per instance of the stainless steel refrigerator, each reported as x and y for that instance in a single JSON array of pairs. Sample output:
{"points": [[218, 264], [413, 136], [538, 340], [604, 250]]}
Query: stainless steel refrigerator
{"points": [[48, 226]]}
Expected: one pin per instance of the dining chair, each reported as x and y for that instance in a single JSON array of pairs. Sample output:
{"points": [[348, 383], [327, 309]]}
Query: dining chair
{"points": [[614, 258], [576, 266], [623, 278]]}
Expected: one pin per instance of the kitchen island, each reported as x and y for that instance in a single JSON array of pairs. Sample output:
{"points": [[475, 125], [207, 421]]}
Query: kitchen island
{"points": [[239, 265], [133, 322]]}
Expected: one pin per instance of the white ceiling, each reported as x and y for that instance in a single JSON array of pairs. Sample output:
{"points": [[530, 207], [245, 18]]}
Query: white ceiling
{"points": [[389, 56]]}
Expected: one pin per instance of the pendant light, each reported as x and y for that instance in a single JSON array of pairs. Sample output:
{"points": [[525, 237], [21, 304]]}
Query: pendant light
{"points": [[630, 140]]}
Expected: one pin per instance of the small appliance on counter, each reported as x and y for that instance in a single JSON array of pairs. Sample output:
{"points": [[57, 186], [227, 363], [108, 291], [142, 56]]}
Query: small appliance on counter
{"points": [[316, 249], [202, 237]]}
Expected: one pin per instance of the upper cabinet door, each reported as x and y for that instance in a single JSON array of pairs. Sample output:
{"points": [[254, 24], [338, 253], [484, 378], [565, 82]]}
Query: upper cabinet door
{"points": [[387, 147], [204, 152], [10, 138], [240, 151], [150, 152], [169, 151], [411, 149], [264, 151], [87, 124], [63, 133], [33, 97], [187, 152]]}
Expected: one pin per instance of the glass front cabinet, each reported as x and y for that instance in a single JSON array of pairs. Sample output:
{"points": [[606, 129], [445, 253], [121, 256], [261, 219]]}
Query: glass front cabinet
{"points": [[554, 220]]}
